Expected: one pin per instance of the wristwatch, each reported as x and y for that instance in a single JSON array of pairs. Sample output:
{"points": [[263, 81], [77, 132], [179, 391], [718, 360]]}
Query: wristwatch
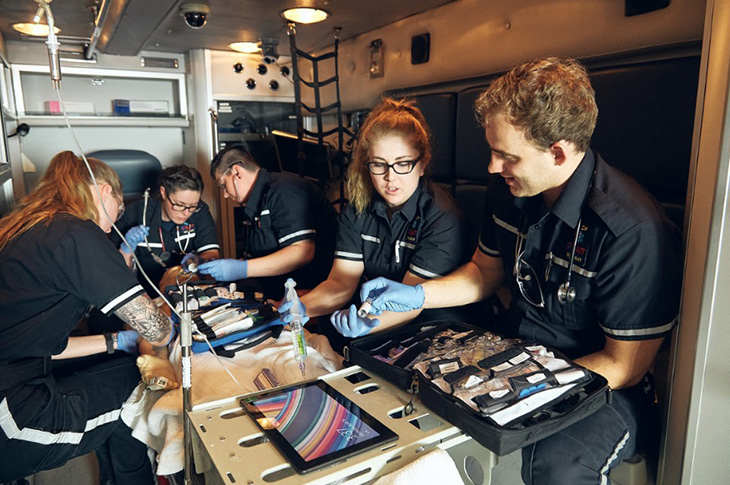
{"points": [[111, 342]]}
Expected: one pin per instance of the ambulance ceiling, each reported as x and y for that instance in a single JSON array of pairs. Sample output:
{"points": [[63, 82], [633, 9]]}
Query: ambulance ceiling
{"points": [[156, 25]]}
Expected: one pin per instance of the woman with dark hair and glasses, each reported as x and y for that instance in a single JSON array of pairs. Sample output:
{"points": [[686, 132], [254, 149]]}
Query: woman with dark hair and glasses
{"points": [[163, 229], [397, 223]]}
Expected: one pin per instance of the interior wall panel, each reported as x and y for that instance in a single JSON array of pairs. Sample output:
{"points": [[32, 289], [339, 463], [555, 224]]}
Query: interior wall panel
{"points": [[477, 37]]}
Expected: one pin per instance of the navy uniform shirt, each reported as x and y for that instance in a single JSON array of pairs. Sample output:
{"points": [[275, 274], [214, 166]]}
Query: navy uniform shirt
{"points": [[627, 270], [49, 277], [197, 234], [281, 210], [424, 236]]}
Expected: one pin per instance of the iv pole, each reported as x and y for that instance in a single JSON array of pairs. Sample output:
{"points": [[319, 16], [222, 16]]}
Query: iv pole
{"points": [[186, 338]]}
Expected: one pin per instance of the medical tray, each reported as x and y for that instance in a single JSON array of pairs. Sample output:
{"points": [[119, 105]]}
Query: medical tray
{"points": [[210, 295], [584, 399]]}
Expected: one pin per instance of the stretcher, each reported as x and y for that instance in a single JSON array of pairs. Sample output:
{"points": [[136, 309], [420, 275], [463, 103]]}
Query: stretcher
{"points": [[156, 416], [230, 448]]}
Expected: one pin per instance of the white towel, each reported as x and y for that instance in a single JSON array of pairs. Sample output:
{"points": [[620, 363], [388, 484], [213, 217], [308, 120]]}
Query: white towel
{"points": [[156, 416], [434, 467]]}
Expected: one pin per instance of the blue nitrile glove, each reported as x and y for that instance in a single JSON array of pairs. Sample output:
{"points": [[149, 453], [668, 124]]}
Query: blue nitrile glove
{"points": [[350, 325], [191, 258], [134, 236], [286, 317], [127, 341], [391, 296], [225, 269]]}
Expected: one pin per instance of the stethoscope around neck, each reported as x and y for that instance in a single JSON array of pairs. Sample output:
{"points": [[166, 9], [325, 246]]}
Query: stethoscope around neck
{"points": [[163, 257], [566, 293]]}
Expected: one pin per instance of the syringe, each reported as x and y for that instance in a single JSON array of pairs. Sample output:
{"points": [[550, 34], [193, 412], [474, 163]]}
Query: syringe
{"points": [[295, 326]]}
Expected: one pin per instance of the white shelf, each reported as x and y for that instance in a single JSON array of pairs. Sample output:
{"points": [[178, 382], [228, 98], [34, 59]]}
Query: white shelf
{"points": [[57, 120], [98, 88]]}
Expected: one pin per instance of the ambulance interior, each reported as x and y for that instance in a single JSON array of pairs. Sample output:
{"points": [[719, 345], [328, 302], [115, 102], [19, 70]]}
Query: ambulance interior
{"points": [[145, 89]]}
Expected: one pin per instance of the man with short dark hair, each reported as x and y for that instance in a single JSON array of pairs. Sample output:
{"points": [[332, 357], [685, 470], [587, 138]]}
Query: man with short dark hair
{"points": [[593, 264], [288, 225]]}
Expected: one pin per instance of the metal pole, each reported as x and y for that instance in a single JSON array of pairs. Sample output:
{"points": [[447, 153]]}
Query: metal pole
{"points": [[186, 339], [291, 31]]}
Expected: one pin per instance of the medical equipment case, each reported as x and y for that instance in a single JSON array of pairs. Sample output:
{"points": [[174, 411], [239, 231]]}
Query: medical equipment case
{"points": [[537, 409]]}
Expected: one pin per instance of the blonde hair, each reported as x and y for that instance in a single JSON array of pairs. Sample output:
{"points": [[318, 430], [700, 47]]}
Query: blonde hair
{"points": [[551, 99], [389, 118], [63, 189]]}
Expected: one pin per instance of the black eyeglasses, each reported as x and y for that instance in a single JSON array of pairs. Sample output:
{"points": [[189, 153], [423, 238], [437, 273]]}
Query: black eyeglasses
{"points": [[403, 167], [182, 207]]}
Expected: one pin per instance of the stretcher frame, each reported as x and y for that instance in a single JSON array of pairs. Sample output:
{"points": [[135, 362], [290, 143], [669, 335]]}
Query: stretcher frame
{"points": [[228, 447]]}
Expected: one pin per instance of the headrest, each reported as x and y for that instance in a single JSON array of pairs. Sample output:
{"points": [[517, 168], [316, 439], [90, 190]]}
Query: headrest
{"points": [[137, 169]]}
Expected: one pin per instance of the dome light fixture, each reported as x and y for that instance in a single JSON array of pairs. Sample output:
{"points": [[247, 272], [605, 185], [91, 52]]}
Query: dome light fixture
{"points": [[305, 15], [245, 47], [33, 29]]}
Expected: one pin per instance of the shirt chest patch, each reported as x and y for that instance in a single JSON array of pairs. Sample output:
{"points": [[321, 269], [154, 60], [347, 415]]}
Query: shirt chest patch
{"points": [[581, 247], [412, 231]]}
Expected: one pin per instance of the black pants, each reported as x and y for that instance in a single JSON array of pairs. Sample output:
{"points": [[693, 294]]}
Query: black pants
{"points": [[585, 452], [69, 413]]}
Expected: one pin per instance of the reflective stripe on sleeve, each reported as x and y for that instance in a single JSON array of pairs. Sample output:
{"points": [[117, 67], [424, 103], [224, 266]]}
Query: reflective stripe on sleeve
{"points": [[346, 255], [124, 296], [296, 234], [207, 248], [422, 272], [486, 250], [639, 332]]}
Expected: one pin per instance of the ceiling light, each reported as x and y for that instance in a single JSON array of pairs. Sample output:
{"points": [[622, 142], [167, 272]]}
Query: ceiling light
{"points": [[36, 30], [305, 15], [245, 47]]}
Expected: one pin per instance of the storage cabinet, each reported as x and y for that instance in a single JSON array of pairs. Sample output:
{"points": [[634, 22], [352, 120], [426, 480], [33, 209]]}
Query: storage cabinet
{"points": [[101, 97], [8, 124]]}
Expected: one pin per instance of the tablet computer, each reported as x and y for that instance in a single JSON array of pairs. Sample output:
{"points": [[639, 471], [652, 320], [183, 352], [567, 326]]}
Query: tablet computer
{"points": [[313, 425]]}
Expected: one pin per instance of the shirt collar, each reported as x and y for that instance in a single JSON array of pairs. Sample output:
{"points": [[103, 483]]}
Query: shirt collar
{"points": [[408, 210], [257, 193], [569, 205]]}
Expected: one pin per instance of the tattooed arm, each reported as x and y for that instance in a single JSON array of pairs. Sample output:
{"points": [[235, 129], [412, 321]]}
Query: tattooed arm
{"points": [[143, 315]]}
